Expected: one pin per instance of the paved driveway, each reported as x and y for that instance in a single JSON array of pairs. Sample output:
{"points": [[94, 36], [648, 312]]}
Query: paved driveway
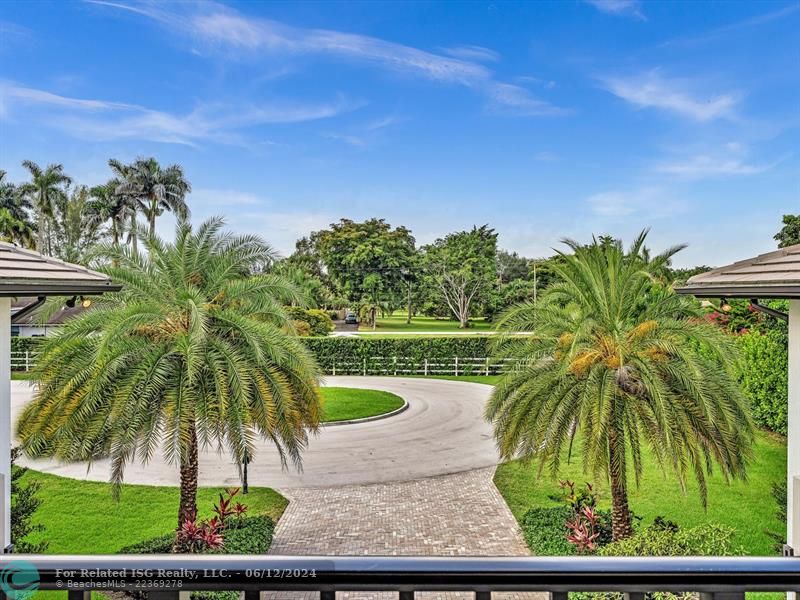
{"points": [[443, 431]]}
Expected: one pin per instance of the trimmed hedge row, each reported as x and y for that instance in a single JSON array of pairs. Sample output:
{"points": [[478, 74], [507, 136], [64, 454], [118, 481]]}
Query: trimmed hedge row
{"points": [[764, 375]]}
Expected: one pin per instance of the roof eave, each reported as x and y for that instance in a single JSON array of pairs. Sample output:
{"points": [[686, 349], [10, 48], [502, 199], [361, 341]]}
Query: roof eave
{"points": [[51, 288], [788, 291]]}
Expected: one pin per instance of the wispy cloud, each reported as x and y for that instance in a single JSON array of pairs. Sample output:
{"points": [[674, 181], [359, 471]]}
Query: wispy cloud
{"points": [[350, 140], [478, 53], [653, 202], [101, 120], [219, 28], [545, 156], [620, 8], [652, 90], [727, 161], [7, 28], [718, 32]]}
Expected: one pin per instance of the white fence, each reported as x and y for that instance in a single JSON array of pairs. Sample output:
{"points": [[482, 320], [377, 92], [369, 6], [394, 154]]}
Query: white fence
{"points": [[374, 365]]}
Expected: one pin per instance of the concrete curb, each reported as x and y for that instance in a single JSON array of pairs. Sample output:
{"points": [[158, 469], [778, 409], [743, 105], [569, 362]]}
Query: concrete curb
{"points": [[396, 411]]}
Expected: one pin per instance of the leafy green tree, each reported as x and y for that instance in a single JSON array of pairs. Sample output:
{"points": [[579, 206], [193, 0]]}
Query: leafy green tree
{"points": [[789, 235], [619, 361], [193, 352], [366, 260], [511, 266], [14, 200], [44, 188], [77, 225], [463, 268], [15, 231], [155, 189]]}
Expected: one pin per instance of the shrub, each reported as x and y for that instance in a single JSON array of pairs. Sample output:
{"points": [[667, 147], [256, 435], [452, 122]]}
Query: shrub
{"points": [[545, 531], [319, 321], [24, 504], [345, 353], [302, 328], [709, 539], [764, 376]]}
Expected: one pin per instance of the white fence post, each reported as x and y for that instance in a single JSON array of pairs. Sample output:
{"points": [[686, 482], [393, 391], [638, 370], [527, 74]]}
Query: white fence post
{"points": [[487, 366], [334, 368], [394, 363], [426, 367], [27, 360], [365, 366], [456, 371]]}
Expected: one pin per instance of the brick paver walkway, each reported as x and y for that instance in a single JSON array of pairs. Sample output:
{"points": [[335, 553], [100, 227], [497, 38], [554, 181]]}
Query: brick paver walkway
{"points": [[451, 515]]}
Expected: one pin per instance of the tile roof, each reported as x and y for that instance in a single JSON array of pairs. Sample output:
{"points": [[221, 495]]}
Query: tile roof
{"points": [[26, 272], [772, 275]]}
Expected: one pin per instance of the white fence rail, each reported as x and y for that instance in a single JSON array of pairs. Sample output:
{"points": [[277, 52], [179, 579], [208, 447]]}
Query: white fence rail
{"points": [[374, 365]]}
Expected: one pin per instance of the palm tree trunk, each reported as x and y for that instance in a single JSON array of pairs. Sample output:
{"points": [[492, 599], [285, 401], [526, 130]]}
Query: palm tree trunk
{"points": [[152, 218], [40, 232], [620, 512], [187, 510], [132, 235]]}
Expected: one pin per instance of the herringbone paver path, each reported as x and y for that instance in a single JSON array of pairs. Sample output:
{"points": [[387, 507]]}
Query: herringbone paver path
{"points": [[461, 514]]}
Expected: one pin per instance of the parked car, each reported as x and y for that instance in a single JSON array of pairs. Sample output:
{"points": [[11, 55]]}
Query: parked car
{"points": [[350, 318]]}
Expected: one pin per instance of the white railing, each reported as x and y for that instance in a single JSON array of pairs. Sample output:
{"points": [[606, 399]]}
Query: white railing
{"points": [[401, 365], [24, 360]]}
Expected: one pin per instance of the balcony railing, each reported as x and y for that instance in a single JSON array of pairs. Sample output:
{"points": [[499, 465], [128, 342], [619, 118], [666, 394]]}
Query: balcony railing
{"points": [[165, 576]]}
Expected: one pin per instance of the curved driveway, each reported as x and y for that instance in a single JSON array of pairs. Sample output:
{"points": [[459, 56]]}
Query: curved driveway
{"points": [[443, 431]]}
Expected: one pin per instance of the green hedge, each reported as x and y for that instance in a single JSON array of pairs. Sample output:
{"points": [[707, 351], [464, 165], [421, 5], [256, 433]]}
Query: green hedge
{"points": [[764, 376], [20, 344], [545, 532], [352, 354]]}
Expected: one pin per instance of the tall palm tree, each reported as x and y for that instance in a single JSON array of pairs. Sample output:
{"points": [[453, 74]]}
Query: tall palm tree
{"points": [[194, 351], [15, 231], [45, 186], [12, 198], [619, 362], [112, 207], [155, 189]]}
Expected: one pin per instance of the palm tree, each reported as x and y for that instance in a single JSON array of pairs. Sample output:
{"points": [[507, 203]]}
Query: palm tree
{"points": [[618, 361], [194, 351], [12, 198], [45, 187], [113, 207], [15, 231], [155, 189]]}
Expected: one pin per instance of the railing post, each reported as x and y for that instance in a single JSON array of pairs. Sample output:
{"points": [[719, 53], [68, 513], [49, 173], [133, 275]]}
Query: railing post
{"points": [[27, 360], [334, 368], [426, 367], [327, 595], [394, 364], [78, 595], [456, 372], [365, 367], [487, 366], [252, 595], [720, 596], [159, 595], [406, 595], [559, 595], [633, 595], [483, 595]]}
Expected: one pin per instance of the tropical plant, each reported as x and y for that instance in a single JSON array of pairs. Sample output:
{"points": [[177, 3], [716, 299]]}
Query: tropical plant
{"points": [[24, 504], [44, 188], [115, 208], [15, 231], [618, 361], [155, 189], [76, 225], [193, 351], [12, 199]]}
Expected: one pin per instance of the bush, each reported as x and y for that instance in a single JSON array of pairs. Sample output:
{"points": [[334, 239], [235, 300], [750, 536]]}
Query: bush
{"points": [[24, 504], [319, 321], [545, 531], [350, 352], [709, 539], [764, 376]]}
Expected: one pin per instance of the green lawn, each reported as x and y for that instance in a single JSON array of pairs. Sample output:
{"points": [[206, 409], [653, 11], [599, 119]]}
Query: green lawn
{"points": [[397, 322], [81, 517], [747, 506], [344, 404]]}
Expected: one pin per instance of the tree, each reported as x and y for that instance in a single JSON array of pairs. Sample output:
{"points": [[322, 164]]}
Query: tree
{"points": [[76, 224], [14, 200], [115, 208], [15, 231], [789, 235], [44, 188], [365, 260], [463, 268], [511, 266], [155, 189], [618, 361], [193, 351]]}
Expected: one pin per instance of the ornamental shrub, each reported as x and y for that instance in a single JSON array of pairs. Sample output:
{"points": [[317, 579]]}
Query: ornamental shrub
{"points": [[764, 375], [319, 321]]}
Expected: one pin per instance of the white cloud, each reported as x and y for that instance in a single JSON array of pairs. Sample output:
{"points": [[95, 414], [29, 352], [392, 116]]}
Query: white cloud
{"points": [[701, 165], [478, 53], [101, 120], [545, 156], [652, 90], [218, 27], [625, 8], [351, 140], [652, 202], [215, 198]]}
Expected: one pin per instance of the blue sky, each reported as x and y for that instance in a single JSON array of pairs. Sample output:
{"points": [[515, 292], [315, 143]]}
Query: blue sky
{"points": [[543, 119]]}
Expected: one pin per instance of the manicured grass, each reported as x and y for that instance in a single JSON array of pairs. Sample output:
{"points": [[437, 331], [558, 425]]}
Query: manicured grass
{"points": [[81, 517], [397, 322], [344, 404], [747, 506], [21, 375]]}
